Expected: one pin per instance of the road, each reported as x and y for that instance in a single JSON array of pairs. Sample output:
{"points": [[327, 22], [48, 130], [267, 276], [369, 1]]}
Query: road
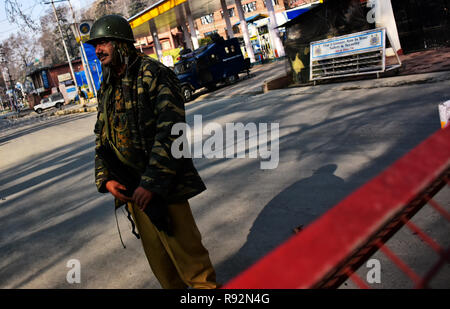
{"points": [[331, 142]]}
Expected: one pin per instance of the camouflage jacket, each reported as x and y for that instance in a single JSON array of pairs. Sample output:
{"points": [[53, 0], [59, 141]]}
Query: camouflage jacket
{"points": [[152, 104]]}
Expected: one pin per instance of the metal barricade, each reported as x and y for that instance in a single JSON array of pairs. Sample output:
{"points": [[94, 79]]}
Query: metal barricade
{"points": [[331, 249]]}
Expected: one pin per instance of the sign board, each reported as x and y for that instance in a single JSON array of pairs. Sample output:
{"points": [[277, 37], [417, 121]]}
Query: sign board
{"points": [[45, 80], [349, 55], [168, 61], [348, 45], [444, 113], [82, 30], [85, 29], [64, 77]]}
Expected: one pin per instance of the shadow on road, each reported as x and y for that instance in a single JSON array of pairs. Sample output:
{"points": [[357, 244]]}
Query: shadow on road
{"points": [[47, 212], [378, 133], [40, 227], [298, 205]]}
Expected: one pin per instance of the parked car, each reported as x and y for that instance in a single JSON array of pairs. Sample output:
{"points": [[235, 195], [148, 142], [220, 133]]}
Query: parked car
{"points": [[54, 100], [220, 61]]}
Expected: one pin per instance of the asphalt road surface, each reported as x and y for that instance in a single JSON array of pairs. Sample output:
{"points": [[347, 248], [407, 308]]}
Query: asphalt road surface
{"points": [[331, 142]]}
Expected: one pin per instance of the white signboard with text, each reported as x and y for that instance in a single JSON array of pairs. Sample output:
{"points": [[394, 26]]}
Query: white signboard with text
{"points": [[168, 61], [353, 54], [354, 43]]}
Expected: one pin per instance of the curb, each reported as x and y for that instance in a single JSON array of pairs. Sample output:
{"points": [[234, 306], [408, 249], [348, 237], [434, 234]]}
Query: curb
{"points": [[87, 109], [396, 81], [404, 80], [76, 111]]}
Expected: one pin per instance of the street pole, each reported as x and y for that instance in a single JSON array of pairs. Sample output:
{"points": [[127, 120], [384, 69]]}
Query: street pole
{"points": [[65, 49], [83, 54], [277, 45], [245, 33], [84, 60]]}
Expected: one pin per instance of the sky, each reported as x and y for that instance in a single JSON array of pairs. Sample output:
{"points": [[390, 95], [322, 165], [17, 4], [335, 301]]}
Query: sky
{"points": [[34, 7]]}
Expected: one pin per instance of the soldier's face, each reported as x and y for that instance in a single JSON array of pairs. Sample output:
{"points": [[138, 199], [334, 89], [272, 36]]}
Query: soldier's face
{"points": [[105, 51]]}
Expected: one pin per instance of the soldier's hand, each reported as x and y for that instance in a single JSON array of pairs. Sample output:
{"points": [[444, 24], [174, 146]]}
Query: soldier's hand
{"points": [[142, 197], [115, 189]]}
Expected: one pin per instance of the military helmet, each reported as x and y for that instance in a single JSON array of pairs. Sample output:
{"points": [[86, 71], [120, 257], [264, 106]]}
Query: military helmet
{"points": [[111, 27]]}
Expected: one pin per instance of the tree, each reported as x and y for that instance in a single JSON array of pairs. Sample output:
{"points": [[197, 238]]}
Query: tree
{"points": [[7, 61], [136, 7], [25, 49], [8, 70], [104, 7], [50, 39], [125, 8], [15, 14]]}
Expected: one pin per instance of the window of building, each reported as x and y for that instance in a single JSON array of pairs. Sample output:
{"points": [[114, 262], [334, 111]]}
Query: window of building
{"points": [[274, 2], [166, 45], [249, 7], [263, 30], [207, 19], [57, 96], [210, 33], [231, 13]]}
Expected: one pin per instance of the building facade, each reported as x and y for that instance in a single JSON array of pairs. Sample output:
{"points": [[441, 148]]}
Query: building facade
{"points": [[48, 80], [215, 23]]}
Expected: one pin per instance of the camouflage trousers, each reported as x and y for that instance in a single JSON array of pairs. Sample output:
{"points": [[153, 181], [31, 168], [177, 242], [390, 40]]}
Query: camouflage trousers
{"points": [[177, 261]]}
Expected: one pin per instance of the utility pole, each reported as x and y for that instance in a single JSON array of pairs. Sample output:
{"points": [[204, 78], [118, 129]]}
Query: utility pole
{"points": [[83, 54], [65, 48]]}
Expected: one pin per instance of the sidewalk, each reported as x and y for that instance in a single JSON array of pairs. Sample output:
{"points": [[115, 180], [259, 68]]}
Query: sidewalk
{"points": [[86, 108], [65, 110], [431, 60], [423, 62]]}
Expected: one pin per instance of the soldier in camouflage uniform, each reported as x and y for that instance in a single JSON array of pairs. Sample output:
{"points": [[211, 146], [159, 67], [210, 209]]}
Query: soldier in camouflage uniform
{"points": [[139, 102]]}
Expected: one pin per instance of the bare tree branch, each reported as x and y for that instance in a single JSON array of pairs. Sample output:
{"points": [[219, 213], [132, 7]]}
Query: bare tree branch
{"points": [[15, 14]]}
